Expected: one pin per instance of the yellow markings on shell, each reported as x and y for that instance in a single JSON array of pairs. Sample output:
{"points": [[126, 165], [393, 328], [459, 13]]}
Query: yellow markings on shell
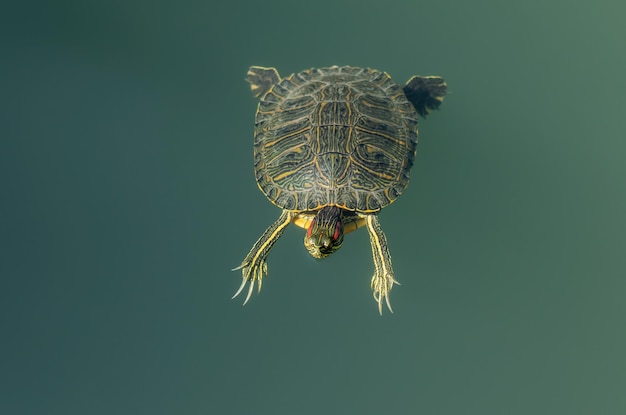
{"points": [[389, 198], [377, 173], [268, 144], [383, 135], [283, 175]]}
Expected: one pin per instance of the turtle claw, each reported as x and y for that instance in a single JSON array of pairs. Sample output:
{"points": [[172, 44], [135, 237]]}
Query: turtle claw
{"points": [[243, 284], [250, 274], [378, 297], [249, 292], [381, 286]]}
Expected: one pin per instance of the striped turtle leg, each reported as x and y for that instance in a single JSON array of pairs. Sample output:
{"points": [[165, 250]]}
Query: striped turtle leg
{"points": [[383, 280], [254, 267], [262, 79]]}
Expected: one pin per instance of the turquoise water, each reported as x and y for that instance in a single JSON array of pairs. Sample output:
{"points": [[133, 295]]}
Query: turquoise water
{"points": [[128, 195]]}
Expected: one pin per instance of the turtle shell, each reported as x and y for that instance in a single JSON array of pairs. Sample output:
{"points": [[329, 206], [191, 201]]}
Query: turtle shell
{"points": [[337, 136]]}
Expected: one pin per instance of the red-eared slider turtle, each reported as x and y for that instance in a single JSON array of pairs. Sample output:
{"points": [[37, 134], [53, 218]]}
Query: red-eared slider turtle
{"points": [[332, 147]]}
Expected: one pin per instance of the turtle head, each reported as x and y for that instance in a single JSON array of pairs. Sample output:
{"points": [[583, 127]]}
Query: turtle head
{"points": [[325, 233]]}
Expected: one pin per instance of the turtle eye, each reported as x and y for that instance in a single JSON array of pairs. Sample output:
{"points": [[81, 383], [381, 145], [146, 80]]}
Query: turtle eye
{"points": [[337, 230]]}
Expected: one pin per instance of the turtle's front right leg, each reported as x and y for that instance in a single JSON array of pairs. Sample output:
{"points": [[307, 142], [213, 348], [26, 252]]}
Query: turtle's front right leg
{"points": [[383, 279], [254, 267]]}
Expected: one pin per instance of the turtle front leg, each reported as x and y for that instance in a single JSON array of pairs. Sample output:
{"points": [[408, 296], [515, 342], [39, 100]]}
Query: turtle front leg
{"points": [[383, 279], [254, 267]]}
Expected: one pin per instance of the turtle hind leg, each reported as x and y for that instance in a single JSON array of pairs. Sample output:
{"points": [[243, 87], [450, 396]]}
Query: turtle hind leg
{"points": [[425, 93], [262, 79]]}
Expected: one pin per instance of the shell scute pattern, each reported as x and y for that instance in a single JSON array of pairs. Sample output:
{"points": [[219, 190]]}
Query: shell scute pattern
{"points": [[338, 136]]}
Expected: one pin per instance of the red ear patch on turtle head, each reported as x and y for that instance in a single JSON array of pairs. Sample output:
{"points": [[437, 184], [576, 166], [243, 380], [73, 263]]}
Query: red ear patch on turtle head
{"points": [[310, 229], [337, 230]]}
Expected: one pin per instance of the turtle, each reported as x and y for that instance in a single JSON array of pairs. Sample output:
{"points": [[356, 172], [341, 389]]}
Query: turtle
{"points": [[332, 147]]}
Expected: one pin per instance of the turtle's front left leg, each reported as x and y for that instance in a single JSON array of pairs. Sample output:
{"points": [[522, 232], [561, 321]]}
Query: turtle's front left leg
{"points": [[254, 267], [383, 279]]}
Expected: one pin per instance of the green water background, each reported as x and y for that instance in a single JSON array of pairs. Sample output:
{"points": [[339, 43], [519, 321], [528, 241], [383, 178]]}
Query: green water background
{"points": [[128, 195]]}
